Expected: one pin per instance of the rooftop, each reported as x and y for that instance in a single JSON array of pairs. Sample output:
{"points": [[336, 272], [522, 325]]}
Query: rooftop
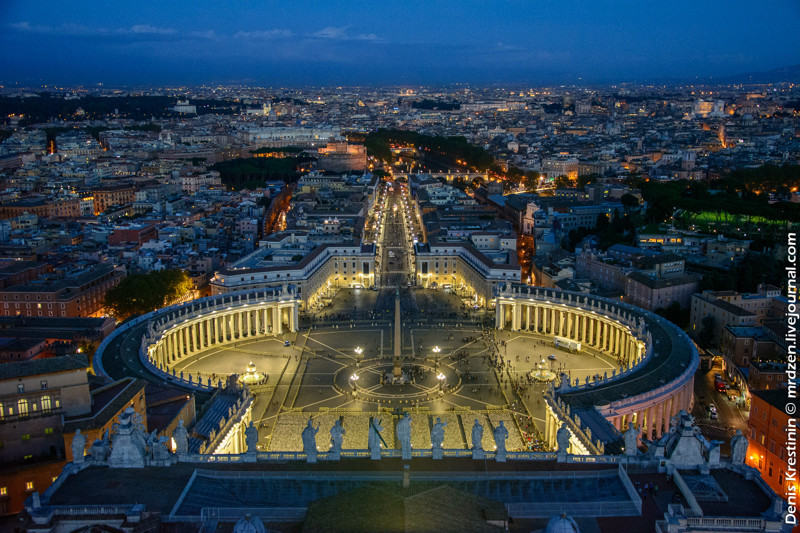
{"points": [[50, 365]]}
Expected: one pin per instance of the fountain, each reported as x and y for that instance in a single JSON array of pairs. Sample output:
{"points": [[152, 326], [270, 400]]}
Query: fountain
{"points": [[541, 373], [251, 375]]}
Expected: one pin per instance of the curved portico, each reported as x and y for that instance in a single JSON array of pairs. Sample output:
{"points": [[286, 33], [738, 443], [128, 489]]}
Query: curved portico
{"points": [[657, 363], [176, 333]]}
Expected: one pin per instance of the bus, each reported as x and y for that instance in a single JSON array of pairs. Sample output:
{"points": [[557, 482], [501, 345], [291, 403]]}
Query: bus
{"points": [[567, 344]]}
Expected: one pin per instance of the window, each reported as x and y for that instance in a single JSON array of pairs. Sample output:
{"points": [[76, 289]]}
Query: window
{"points": [[26, 436], [48, 431], [3, 491], [20, 388], [46, 405], [29, 485], [43, 383], [22, 407]]}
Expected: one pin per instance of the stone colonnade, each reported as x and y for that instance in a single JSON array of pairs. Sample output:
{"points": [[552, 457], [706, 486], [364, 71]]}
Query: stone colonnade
{"points": [[206, 328], [602, 332], [652, 415], [650, 412]]}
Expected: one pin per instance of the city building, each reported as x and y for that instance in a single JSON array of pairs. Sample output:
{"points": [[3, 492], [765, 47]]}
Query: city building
{"points": [[78, 294], [769, 427]]}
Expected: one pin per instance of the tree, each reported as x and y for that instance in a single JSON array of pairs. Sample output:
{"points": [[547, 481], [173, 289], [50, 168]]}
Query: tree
{"points": [[586, 179], [141, 293], [629, 201], [531, 180], [561, 182]]}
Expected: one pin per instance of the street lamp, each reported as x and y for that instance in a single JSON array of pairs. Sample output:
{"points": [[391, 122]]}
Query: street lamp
{"points": [[359, 350], [441, 377], [354, 381]]}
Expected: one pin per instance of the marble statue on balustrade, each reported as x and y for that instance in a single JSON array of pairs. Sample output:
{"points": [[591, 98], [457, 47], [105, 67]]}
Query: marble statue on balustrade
{"points": [[562, 440], [337, 437], [437, 438], [477, 441], [101, 448], [500, 436], [78, 446], [251, 438], [309, 436], [375, 439], [739, 448], [631, 437], [404, 436], [181, 437], [158, 447]]}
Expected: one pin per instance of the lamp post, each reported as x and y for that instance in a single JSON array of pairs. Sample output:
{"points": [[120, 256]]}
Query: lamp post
{"points": [[354, 381], [442, 378]]}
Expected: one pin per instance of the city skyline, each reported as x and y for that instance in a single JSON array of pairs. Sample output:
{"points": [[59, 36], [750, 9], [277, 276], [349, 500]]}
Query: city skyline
{"points": [[363, 44]]}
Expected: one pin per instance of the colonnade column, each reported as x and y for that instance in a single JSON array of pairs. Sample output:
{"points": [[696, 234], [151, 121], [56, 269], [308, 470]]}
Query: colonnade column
{"points": [[656, 430]]}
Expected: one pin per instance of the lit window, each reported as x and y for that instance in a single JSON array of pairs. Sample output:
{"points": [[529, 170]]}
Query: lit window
{"points": [[29, 485], [3, 491]]}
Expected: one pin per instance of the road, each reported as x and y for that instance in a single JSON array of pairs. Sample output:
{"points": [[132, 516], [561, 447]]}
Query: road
{"points": [[730, 417]]}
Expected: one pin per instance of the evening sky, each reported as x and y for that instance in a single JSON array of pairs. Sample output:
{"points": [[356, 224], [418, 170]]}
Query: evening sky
{"points": [[375, 42]]}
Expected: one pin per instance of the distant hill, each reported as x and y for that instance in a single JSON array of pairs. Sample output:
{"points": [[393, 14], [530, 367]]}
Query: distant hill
{"points": [[777, 75]]}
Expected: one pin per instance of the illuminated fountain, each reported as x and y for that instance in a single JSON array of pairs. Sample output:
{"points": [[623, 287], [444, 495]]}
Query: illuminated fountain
{"points": [[252, 376], [541, 373]]}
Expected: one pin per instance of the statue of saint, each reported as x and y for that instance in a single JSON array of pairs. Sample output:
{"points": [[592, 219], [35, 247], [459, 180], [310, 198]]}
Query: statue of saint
{"points": [[562, 438], [374, 440], [739, 446], [500, 436], [159, 447], [404, 436], [181, 437], [337, 436], [631, 437], [477, 436], [251, 438], [309, 436], [78, 446], [437, 433]]}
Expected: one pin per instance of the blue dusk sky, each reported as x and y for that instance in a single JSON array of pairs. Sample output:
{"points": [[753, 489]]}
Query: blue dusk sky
{"points": [[296, 42]]}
